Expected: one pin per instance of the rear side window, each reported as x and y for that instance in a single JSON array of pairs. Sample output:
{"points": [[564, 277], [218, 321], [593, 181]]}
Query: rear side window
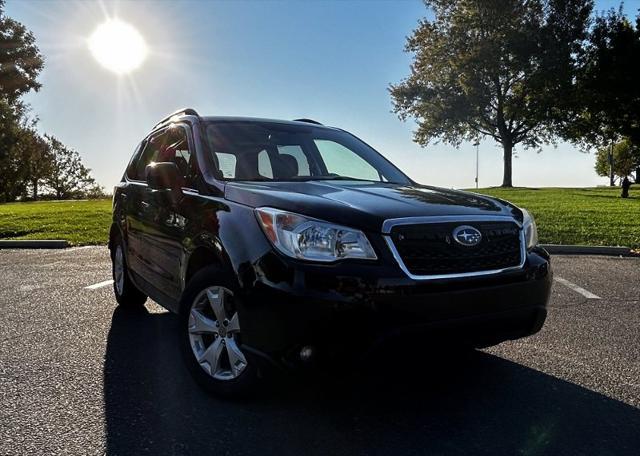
{"points": [[227, 164], [264, 165], [297, 153]]}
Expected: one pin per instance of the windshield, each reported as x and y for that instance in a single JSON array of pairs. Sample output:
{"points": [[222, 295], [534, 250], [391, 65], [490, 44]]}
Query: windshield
{"points": [[270, 151]]}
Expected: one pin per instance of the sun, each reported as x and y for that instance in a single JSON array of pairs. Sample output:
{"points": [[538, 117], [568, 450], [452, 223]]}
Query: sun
{"points": [[118, 46]]}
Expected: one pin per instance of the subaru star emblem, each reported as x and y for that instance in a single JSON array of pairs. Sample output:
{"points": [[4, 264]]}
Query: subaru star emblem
{"points": [[467, 236]]}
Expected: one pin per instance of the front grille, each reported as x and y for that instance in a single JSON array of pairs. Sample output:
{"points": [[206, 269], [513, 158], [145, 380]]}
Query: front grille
{"points": [[429, 248]]}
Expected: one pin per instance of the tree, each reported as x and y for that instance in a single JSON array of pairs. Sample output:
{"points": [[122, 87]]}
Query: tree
{"points": [[20, 64], [35, 156], [20, 59], [68, 177], [496, 68], [626, 159], [24, 154], [27, 160], [607, 94], [12, 171]]}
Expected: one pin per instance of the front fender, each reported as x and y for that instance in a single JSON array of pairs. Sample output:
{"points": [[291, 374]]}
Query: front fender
{"points": [[229, 234]]}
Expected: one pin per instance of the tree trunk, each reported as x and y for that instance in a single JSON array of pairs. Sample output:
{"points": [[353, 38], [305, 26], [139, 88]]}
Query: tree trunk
{"points": [[612, 177], [35, 190], [508, 155]]}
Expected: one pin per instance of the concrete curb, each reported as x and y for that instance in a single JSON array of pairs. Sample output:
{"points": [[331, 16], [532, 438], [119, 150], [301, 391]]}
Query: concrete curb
{"points": [[556, 249], [34, 244]]}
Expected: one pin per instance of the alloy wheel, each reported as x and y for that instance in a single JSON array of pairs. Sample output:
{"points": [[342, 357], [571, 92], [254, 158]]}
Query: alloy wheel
{"points": [[214, 334]]}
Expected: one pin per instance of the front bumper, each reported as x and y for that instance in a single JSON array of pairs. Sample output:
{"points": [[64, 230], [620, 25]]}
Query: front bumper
{"points": [[332, 309]]}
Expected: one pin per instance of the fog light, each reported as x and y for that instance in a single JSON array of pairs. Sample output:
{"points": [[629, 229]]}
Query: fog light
{"points": [[306, 353]]}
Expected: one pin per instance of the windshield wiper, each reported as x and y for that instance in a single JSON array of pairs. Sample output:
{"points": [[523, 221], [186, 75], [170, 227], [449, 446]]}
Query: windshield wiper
{"points": [[302, 179], [337, 177]]}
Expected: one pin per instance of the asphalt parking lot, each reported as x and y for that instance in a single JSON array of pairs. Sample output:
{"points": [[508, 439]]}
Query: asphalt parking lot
{"points": [[78, 376]]}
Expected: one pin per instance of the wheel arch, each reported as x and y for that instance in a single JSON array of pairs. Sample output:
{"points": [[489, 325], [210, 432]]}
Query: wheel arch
{"points": [[114, 232], [199, 258]]}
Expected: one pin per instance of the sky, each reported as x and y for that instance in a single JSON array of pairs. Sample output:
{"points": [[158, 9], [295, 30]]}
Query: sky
{"points": [[331, 61]]}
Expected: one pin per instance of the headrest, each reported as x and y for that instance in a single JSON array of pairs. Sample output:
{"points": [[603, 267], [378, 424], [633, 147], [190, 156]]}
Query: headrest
{"points": [[245, 168], [285, 166], [166, 154]]}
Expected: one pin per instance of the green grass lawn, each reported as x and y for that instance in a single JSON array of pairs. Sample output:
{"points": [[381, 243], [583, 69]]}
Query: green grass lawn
{"points": [[586, 216], [79, 222], [583, 216]]}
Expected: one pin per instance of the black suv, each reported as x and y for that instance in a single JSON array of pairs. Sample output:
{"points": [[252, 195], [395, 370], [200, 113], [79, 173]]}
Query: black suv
{"points": [[291, 243]]}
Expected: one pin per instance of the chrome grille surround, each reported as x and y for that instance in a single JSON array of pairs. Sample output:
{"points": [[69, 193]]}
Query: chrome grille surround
{"points": [[391, 223]]}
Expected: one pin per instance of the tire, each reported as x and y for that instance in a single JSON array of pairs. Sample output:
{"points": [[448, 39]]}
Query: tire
{"points": [[211, 338], [127, 294]]}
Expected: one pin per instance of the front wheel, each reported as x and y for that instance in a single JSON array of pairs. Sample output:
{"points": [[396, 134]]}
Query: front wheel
{"points": [[212, 335]]}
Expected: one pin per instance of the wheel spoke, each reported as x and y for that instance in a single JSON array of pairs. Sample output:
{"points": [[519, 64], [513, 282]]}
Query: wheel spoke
{"points": [[119, 270], [216, 300], [211, 356], [236, 358], [200, 324], [234, 324]]}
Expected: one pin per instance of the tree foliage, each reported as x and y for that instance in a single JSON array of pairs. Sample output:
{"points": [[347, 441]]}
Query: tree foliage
{"points": [[20, 63], [12, 170], [492, 68], [607, 90], [36, 158], [30, 163], [20, 59], [626, 159], [67, 177]]}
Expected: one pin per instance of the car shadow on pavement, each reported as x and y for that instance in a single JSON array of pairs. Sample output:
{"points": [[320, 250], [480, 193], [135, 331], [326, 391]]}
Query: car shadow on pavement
{"points": [[476, 404]]}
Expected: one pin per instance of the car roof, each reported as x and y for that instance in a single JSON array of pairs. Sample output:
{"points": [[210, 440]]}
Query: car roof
{"points": [[257, 120]]}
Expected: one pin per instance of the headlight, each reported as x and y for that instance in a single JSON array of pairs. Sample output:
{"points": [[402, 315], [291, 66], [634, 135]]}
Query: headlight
{"points": [[530, 229], [305, 238]]}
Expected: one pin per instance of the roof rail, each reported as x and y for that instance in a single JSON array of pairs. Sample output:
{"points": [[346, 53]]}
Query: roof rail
{"points": [[183, 111], [311, 121]]}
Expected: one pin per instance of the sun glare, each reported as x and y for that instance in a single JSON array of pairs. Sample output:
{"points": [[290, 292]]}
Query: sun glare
{"points": [[118, 46]]}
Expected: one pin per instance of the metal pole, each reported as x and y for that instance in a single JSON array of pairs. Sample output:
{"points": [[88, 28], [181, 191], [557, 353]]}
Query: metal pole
{"points": [[477, 144]]}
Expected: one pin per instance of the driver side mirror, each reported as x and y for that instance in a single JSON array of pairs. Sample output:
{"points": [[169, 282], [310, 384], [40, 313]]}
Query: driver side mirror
{"points": [[164, 177]]}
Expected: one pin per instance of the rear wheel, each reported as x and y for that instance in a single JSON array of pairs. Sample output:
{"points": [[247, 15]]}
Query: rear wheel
{"points": [[127, 294], [212, 335]]}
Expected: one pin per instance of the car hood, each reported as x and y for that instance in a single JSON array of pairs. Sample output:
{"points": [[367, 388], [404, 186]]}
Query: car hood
{"points": [[364, 205]]}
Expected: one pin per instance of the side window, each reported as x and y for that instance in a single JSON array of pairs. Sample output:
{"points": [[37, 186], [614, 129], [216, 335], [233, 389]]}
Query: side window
{"points": [[297, 153], [178, 152], [264, 165], [344, 162], [131, 168], [149, 154], [168, 146], [227, 164]]}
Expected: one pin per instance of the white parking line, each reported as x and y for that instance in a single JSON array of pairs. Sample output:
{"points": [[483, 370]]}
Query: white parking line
{"points": [[587, 294], [99, 285]]}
